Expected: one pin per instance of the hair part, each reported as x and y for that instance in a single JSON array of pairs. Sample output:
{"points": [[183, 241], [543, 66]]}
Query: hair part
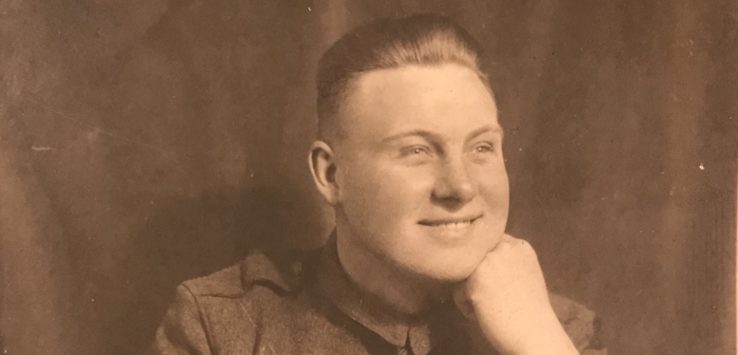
{"points": [[423, 39]]}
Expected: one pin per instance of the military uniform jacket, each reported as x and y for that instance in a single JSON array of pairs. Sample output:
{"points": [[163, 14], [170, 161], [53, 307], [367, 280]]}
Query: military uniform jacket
{"points": [[305, 304]]}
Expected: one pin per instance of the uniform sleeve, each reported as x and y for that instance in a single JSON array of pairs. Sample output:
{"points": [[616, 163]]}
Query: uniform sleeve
{"points": [[593, 343], [182, 330], [581, 324]]}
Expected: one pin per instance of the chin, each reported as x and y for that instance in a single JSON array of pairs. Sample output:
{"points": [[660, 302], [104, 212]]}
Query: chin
{"points": [[452, 277], [451, 270]]}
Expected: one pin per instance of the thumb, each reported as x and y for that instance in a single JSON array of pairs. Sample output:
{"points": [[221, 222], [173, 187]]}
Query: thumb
{"points": [[462, 302]]}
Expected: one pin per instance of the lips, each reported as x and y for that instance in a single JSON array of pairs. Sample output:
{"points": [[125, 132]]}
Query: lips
{"points": [[450, 223]]}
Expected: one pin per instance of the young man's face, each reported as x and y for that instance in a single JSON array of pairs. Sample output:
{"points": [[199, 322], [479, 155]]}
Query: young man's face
{"points": [[421, 179]]}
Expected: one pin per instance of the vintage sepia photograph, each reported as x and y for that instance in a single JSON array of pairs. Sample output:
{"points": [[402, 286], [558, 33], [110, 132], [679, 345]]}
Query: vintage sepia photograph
{"points": [[368, 177]]}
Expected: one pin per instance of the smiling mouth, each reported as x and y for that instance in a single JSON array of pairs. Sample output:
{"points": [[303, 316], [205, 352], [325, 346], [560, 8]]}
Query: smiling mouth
{"points": [[450, 223]]}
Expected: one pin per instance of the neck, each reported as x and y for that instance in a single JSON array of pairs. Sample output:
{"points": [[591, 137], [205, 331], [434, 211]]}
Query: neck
{"points": [[407, 294]]}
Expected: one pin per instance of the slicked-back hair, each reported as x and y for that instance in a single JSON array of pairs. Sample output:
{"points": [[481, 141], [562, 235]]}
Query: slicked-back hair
{"points": [[422, 39]]}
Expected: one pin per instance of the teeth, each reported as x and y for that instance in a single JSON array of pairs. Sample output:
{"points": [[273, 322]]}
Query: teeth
{"points": [[455, 225]]}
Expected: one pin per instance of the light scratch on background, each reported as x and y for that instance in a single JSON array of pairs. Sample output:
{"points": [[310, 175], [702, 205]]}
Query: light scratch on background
{"points": [[38, 148]]}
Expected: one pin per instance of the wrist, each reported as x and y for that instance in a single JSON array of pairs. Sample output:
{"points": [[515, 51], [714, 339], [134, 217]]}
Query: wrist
{"points": [[546, 337], [550, 342], [528, 333]]}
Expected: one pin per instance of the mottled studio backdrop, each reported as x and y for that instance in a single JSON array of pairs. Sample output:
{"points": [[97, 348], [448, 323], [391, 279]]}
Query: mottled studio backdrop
{"points": [[146, 142]]}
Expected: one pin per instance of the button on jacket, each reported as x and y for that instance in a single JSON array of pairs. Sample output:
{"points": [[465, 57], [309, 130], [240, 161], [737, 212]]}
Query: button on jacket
{"points": [[294, 303]]}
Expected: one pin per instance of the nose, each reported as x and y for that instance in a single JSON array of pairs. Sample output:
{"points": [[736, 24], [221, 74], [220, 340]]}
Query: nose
{"points": [[454, 187]]}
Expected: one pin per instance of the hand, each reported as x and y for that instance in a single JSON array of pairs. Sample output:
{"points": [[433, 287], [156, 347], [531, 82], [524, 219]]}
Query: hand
{"points": [[507, 297]]}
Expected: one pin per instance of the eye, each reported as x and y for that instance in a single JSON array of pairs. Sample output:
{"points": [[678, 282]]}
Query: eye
{"points": [[416, 150], [484, 148], [416, 154]]}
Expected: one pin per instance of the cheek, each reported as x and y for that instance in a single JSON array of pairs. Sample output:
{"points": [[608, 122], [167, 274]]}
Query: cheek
{"points": [[379, 192], [496, 193], [494, 177], [494, 189]]}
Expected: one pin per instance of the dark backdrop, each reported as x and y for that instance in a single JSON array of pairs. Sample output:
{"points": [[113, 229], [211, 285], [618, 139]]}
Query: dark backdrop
{"points": [[146, 142]]}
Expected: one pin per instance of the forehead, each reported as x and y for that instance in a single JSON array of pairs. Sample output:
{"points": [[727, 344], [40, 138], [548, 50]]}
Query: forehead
{"points": [[446, 98]]}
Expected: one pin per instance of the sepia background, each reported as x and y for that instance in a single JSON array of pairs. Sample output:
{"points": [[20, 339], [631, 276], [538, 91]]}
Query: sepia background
{"points": [[143, 143]]}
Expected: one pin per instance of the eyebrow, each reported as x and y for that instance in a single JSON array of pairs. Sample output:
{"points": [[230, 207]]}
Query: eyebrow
{"points": [[430, 135], [485, 129]]}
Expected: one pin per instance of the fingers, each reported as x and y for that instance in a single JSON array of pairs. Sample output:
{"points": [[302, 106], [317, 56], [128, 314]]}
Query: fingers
{"points": [[508, 242]]}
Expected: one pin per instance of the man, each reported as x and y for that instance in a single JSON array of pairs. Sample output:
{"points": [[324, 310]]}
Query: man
{"points": [[409, 156]]}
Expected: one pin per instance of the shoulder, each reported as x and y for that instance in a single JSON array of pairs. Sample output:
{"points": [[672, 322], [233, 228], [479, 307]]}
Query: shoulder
{"points": [[581, 324], [224, 310], [281, 271], [223, 283]]}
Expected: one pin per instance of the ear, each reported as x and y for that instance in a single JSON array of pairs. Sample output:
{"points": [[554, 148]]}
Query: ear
{"points": [[323, 168]]}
